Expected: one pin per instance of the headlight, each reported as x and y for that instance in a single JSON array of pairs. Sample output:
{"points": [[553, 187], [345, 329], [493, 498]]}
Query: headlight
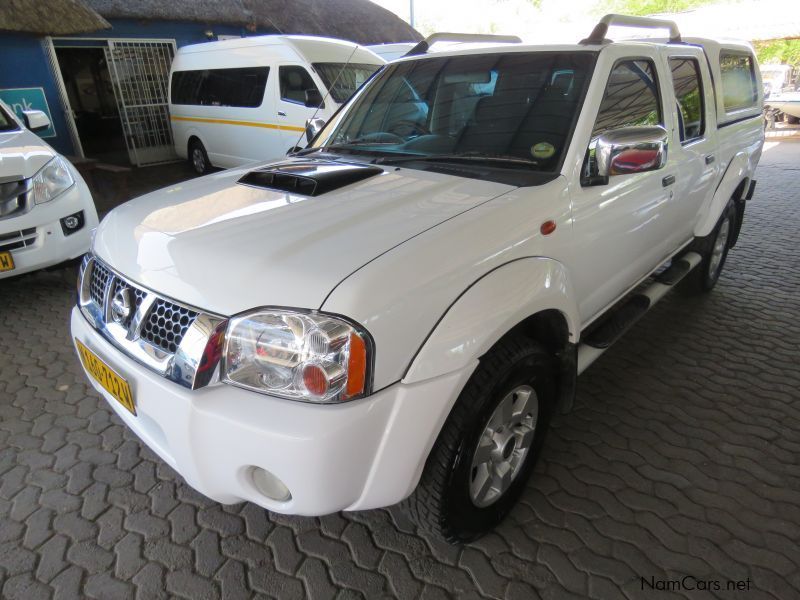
{"points": [[303, 356], [52, 179]]}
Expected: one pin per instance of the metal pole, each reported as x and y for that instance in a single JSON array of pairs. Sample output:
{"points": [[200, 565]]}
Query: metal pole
{"points": [[411, 12]]}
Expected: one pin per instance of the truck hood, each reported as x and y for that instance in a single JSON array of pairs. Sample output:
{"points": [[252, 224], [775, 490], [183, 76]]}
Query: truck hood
{"points": [[22, 154], [226, 247]]}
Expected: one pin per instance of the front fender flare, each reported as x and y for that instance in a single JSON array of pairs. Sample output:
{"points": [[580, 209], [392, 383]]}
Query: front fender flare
{"points": [[490, 308]]}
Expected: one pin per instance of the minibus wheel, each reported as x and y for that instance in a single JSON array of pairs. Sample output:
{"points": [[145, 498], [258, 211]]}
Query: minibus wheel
{"points": [[198, 157]]}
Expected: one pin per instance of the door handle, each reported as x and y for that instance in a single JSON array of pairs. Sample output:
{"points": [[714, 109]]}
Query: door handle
{"points": [[709, 159], [668, 180], [281, 113]]}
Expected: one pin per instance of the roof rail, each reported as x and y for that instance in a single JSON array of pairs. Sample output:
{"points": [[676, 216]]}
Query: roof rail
{"points": [[598, 35], [464, 38]]}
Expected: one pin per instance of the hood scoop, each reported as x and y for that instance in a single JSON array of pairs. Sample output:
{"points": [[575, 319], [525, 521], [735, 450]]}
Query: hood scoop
{"points": [[308, 178]]}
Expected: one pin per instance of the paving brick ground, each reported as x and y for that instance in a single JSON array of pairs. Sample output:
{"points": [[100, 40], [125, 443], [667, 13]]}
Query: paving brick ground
{"points": [[681, 458]]}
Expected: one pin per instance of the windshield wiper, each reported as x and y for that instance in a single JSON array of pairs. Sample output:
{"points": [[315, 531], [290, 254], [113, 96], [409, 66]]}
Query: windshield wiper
{"points": [[466, 156]]}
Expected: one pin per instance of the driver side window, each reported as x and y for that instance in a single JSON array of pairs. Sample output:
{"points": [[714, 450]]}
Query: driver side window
{"points": [[294, 81]]}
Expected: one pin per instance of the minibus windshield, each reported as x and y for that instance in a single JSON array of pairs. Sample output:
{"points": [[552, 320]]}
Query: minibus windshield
{"points": [[343, 79]]}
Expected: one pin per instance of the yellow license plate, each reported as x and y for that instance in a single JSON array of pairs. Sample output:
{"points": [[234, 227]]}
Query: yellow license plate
{"points": [[107, 377], [6, 262]]}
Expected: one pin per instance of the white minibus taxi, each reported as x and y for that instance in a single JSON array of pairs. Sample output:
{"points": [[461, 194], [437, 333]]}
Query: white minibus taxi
{"points": [[241, 100]]}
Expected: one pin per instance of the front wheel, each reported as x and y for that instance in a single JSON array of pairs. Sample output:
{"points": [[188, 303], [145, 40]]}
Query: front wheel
{"points": [[713, 249], [489, 444]]}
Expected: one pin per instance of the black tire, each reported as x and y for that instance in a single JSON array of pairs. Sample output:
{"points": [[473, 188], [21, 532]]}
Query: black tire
{"points": [[704, 276], [791, 120], [442, 503], [198, 157]]}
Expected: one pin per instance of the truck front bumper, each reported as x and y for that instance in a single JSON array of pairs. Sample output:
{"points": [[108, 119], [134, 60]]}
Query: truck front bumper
{"points": [[48, 245], [356, 455]]}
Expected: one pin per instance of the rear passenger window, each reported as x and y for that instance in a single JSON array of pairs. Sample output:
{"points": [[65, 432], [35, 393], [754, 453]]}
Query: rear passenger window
{"points": [[294, 82], [689, 96], [242, 88], [738, 81], [631, 97]]}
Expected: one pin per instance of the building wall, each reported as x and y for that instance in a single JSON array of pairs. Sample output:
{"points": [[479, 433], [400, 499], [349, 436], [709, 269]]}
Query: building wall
{"points": [[24, 63]]}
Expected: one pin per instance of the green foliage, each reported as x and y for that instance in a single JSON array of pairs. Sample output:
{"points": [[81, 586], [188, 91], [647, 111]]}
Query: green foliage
{"points": [[648, 7], [778, 51]]}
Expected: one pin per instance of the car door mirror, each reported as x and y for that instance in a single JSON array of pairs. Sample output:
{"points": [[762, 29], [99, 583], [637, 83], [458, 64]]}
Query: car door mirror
{"points": [[631, 150], [314, 99], [313, 127], [35, 120]]}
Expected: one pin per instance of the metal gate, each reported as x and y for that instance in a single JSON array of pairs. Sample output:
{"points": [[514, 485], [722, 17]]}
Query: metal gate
{"points": [[140, 75]]}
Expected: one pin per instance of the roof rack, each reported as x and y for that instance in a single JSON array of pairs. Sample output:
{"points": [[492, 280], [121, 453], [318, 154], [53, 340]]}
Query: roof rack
{"points": [[598, 35], [464, 38]]}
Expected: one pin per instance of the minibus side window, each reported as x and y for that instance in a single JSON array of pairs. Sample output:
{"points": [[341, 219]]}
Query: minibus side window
{"points": [[242, 88]]}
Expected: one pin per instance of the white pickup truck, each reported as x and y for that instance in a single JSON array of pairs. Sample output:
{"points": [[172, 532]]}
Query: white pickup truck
{"points": [[397, 310]]}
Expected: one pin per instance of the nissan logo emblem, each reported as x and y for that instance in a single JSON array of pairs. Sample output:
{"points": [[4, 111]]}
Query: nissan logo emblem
{"points": [[122, 306]]}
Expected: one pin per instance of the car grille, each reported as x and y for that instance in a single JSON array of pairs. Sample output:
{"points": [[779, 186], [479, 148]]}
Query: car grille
{"points": [[14, 198], [164, 324], [18, 239]]}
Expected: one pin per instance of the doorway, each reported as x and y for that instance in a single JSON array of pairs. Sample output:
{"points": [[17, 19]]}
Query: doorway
{"points": [[117, 91], [91, 98]]}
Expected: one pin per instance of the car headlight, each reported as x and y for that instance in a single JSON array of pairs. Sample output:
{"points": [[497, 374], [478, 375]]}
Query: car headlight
{"points": [[52, 180], [307, 356]]}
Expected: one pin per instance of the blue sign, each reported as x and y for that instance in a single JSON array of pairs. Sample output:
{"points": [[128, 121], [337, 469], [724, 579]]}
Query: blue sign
{"points": [[20, 99]]}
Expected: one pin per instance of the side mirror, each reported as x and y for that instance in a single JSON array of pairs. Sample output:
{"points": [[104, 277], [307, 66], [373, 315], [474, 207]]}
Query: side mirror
{"points": [[631, 150], [314, 99], [35, 120], [313, 127]]}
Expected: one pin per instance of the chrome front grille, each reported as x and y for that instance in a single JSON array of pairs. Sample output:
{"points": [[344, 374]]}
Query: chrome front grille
{"points": [[166, 324], [160, 333]]}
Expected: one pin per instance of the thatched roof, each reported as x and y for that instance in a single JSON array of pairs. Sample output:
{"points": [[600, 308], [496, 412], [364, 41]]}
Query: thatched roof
{"points": [[359, 21], [54, 17]]}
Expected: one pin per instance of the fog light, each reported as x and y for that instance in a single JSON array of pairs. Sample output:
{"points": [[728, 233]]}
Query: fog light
{"points": [[269, 485], [72, 223]]}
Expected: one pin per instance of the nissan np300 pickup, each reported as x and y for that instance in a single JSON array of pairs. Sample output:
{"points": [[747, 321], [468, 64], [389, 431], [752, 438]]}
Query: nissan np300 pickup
{"points": [[398, 309]]}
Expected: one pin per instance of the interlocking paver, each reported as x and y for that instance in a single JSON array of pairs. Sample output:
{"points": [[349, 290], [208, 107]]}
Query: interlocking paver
{"points": [[682, 457]]}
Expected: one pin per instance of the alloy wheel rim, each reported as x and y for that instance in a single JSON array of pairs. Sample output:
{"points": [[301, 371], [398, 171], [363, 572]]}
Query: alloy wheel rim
{"points": [[198, 160], [717, 252], [503, 446]]}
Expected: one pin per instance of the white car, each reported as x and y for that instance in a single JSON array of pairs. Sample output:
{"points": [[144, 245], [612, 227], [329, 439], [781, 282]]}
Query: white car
{"points": [[46, 210], [248, 99], [401, 307]]}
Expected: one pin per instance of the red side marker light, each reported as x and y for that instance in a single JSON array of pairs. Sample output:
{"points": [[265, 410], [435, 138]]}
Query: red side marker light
{"points": [[548, 227]]}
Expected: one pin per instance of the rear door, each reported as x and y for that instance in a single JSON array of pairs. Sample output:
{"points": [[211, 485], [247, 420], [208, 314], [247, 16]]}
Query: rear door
{"points": [[693, 138]]}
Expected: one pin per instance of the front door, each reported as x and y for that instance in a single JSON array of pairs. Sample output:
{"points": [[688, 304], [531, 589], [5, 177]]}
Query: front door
{"points": [[621, 228], [140, 75], [292, 112]]}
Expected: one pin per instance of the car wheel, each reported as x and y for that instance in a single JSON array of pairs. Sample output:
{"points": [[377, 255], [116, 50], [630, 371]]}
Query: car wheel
{"points": [[489, 444], [198, 157], [791, 120], [713, 249]]}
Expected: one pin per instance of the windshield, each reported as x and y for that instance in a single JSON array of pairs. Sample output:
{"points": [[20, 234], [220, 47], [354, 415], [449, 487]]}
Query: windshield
{"points": [[6, 122], [344, 79], [520, 107]]}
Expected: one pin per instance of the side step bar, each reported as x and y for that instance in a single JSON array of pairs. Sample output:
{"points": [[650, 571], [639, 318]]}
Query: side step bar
{"points": [[620, 319]]}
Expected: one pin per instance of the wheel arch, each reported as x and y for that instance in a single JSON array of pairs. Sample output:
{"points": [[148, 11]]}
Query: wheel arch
{"points": [[536, 299], [734, 184]]}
